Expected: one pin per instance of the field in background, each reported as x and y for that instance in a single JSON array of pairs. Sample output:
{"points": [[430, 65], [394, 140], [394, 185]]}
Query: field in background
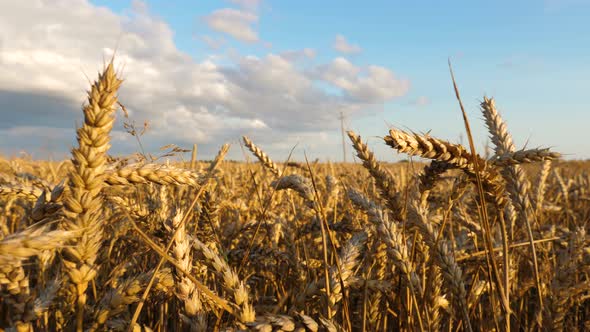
{"points": [[450, 242]]}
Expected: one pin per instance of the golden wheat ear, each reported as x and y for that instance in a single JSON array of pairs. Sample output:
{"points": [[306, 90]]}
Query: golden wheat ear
{"points": [[83, 204], [263, 157]]}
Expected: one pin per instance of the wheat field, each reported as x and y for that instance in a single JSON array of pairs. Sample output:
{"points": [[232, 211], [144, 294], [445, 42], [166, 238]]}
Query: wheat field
{"points": [[450, 241]]}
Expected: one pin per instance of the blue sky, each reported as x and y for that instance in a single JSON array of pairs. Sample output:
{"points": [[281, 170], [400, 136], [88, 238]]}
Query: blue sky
{"points": [[281, 71]]}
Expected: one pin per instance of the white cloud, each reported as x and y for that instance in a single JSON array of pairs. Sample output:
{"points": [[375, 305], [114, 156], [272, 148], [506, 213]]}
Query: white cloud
{"points": [[48, 49], [343, 46], [306, 53], [373, 84], [247, 4], [234, 22]]}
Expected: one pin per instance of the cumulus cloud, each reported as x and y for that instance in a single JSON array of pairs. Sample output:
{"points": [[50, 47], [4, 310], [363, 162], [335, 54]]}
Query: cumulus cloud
{"points": [[343, 46], [373, 84], [49, 52], [297, 55], [247, 4], [234, 22]]}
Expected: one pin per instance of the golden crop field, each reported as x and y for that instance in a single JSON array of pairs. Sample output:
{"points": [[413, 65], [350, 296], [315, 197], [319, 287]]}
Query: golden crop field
{"points": [[450, 242]]}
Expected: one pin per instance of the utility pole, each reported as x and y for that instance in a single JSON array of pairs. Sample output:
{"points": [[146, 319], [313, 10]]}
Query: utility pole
{"points": [[343, 135], [194, 157]]}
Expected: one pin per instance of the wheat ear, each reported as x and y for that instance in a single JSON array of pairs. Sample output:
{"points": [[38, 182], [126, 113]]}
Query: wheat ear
{"points": [[444, 258], [383, 180], [517, 183], [186, 291], [263, 157], [154, 173], [83, 204], [231, 282]]}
